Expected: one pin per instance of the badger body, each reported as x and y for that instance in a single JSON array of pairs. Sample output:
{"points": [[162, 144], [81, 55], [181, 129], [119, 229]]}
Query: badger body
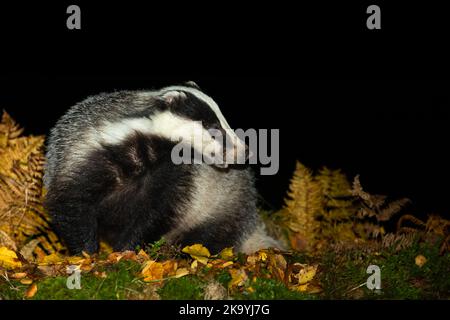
{"points": [[109, 176]]}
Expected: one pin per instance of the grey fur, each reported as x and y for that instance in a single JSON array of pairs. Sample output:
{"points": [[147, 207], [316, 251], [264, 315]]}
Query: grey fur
{"points": [[218, 207]]}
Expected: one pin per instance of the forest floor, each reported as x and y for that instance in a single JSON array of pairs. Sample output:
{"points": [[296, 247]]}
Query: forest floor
{"points": [[160, 272]]}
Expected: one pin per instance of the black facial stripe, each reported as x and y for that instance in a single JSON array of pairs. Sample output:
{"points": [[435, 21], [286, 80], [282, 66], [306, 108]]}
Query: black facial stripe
{"points": [[195, 109]]}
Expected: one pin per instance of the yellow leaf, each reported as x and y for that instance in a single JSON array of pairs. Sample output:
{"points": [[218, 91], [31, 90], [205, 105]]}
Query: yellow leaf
{"points": [[302, 287], [152, 271], [198, 252], [26, 281], [420, 260], [114, 257], [277, 266], [31, 291], [307, 274], [226, 254], [9, 259], [252, 259], [226, 264], [142, 256], [75, 260], [181, 272], [53, 258], [302, 274], [106, 248], [262, 255], [18, 275], [238, 277], [170, 267]]}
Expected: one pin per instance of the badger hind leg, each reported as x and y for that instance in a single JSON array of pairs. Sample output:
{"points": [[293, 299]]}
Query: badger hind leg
{"points": [[258, 239], [215, 235]]}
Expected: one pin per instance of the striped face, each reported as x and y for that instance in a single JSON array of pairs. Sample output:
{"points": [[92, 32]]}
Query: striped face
{"points": [[186, 115], [197, 120]]}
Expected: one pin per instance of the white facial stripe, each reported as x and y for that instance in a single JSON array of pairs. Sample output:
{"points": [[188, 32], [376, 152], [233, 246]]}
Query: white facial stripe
{"points": [[164, 124], [214, 107], [210, 102], [115, 133]]}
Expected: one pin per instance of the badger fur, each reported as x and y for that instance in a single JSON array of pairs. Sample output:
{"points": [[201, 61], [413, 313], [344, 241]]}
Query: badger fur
{"points": [[109, 176]]}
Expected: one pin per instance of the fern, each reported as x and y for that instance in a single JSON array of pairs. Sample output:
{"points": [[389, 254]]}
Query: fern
{"points": [[325, 208], [375, 205], [303, 204], [22, 215]]}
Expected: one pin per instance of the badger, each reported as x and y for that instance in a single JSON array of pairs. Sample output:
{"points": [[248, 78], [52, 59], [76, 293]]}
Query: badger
{"points": [[110, 175]]}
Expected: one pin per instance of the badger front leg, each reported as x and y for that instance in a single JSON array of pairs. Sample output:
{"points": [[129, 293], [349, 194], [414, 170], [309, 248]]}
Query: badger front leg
{"points": [[79, 230], [74, 218]]}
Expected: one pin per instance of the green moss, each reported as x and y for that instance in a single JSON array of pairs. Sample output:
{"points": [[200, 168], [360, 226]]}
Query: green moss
{"points": [[11, 291], [223, 277], [269, 289], [401, 278], [185, 288], [342, 276]]}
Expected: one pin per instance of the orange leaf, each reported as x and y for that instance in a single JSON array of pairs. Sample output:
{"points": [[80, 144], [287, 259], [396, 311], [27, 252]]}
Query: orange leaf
{"points": [[31, 291]]}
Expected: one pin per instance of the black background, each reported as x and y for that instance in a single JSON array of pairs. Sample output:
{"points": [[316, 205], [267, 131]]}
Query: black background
{"points": [[372, 102]]}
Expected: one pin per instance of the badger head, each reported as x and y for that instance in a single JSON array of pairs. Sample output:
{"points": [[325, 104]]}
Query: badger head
{"points": [[190, 118]]}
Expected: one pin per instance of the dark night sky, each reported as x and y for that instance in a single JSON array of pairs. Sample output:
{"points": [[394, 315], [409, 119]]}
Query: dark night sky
{"points": [[377, 104]]}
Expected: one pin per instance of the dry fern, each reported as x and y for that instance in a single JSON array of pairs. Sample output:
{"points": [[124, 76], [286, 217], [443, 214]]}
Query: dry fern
{"points": [[22, 215], [434, 227], [303, 204], [325, 208], [375, 205], [338, 209]]}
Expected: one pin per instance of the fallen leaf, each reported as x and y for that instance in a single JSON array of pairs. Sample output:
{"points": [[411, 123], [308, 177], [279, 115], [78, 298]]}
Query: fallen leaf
{"points": [[9, 259], [262, 255], [227, 264], [129, 255], [51, 270], [302, 274], [278, 266], [31, 291], [114, 257], [26, 281], [181, 272], [226, 254], [86, 267], [302, 287], [18, 275], [142, 256], [152, 271], [104, 247], [170, 267], [75, 260], [53, 258], [198, 252], [27, 250], [420, 260], [238, 277], [252, 259], [100, 274]]}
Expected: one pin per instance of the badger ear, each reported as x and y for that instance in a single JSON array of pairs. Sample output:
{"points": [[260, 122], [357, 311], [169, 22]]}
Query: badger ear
{"points": [[170, 97], [191, 84]]}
